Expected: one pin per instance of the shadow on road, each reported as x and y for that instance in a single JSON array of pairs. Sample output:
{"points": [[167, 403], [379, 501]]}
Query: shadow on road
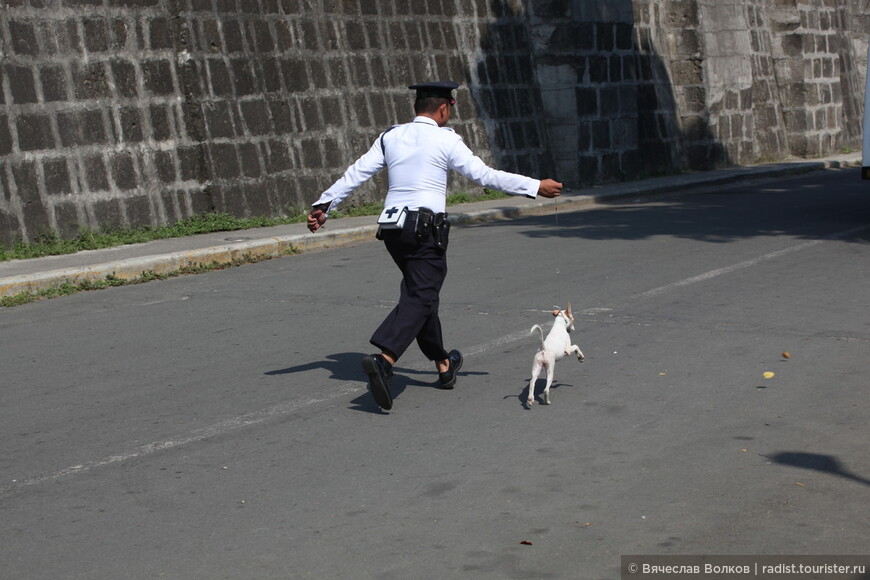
{"points": [[344, 366], [806, 207], [524, 394], [816, 462]]}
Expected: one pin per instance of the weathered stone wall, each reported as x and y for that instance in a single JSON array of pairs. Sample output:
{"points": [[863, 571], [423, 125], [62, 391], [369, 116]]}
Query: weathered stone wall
{"points": [[143, 112], [647, 86]]}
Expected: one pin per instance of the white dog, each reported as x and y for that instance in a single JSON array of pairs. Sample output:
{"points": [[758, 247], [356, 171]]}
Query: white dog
{"points": [[553, 348]]}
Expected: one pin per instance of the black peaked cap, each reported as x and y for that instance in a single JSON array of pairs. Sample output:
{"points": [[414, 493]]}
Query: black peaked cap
{"points": [[440, 89]]}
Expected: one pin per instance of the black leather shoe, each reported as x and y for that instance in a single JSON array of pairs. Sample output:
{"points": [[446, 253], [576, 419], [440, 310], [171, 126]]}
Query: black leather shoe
{"points": [[380, 374], [447, 379]]}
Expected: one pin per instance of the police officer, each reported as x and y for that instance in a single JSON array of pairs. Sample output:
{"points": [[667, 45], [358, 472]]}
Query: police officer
{"points": [[418, 157]]}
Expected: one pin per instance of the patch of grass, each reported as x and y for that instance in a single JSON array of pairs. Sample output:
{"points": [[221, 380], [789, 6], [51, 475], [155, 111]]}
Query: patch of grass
{"points": [[52, 245], [488, 194], [767, 159]]}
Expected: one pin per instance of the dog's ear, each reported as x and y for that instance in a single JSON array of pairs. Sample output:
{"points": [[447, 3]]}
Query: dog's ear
{"points": [[556, 312]]}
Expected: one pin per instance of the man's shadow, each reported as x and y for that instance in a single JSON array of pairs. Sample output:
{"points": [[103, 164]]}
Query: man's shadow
{"points": [[344, 366]]}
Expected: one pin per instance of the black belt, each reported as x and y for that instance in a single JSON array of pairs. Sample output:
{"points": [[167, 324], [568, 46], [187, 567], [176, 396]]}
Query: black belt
{"points": [[423, 223], [436, 218]]}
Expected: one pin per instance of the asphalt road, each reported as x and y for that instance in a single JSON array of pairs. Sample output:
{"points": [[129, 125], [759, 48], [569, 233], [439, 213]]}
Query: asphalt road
{"points": [[218, 426]]}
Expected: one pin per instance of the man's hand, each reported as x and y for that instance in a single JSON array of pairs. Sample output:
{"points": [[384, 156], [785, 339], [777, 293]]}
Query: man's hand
{"points": [[549, 188], [316, 218]]}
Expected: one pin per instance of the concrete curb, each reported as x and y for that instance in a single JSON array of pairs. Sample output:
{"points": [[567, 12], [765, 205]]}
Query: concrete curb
{"points": [[134, 268], [269, 247]]}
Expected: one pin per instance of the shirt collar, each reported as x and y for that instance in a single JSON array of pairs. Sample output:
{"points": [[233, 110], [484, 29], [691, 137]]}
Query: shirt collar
{"points": [[427, 120]]}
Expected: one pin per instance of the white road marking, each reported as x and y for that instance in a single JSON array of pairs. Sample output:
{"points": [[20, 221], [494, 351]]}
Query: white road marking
{"points": [[743, 265], [221, 428]]}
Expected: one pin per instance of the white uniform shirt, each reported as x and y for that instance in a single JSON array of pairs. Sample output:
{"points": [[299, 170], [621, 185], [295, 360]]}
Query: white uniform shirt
{"points": [[418, 156]]}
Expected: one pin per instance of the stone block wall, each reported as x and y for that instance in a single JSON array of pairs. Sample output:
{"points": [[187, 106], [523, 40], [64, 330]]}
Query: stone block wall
{"points": [[596, 106], [821, 89], [94, 130], [639, 87], [758, 81], [144, 112]]}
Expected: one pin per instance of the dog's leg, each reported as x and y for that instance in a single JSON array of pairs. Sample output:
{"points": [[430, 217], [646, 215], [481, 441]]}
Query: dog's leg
{"points": [[551, 369], [536, 371], [576, 350]]}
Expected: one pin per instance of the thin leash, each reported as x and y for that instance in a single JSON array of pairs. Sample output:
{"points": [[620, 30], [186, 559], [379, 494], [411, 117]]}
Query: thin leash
{"points": [[560, 285], [556, 218]]}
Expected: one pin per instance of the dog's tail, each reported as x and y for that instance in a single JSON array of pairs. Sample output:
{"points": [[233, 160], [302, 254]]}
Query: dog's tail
{"points": [[541, 330]]}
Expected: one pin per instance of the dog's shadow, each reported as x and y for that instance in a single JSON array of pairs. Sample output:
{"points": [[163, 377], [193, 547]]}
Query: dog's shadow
{"points": [[524, 394]]}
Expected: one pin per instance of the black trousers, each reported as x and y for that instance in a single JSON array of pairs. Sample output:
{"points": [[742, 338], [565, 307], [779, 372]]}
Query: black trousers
{"points": [[424, 268]]}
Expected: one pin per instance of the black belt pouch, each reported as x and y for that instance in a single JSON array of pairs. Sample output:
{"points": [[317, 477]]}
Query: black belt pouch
{"points": [[442, 231], [425, 223]]}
